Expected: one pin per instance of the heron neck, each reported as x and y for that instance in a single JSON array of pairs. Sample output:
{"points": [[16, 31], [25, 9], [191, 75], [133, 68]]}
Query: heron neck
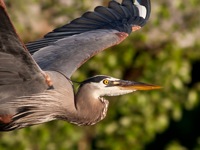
{"points": [[90, 109], [83, 108]]}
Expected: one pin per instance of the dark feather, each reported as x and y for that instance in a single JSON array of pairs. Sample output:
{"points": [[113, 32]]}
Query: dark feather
{"points": [[17, 68], [117, 16]]}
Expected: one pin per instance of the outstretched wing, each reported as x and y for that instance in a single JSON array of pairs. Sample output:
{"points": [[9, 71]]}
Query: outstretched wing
{"points": [[68, 47], [19, 74]]}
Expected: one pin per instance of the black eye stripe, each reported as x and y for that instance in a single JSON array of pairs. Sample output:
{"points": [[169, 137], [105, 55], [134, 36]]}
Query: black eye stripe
{"points": [[95, 79]]}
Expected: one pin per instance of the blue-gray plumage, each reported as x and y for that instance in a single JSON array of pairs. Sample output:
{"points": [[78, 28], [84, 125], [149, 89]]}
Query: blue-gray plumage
{"points": [[36, 89]]}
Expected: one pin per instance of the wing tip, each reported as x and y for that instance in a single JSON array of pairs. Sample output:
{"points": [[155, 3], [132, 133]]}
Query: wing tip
{"points": [[147, 5], [122, 36], [135, 28], [137, 18]]}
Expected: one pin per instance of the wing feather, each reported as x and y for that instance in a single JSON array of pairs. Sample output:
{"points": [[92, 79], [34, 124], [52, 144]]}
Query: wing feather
{"points": [[121, 17], [67, 54], [17, 68], [68, 47]]}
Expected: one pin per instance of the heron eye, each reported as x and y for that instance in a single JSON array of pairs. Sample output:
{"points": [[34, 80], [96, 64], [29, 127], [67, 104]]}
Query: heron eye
{"points": [[105, 82]]}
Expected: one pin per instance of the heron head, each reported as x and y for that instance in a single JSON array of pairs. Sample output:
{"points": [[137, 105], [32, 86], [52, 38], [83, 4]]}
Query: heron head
{"points": [[102, 85]]}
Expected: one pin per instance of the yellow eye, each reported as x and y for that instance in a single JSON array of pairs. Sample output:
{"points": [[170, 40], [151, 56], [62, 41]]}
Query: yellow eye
{"points": [[105, 82]]}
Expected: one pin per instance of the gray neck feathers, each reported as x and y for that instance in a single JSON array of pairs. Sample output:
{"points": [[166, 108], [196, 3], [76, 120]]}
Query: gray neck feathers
{"points": [[90, 110]]}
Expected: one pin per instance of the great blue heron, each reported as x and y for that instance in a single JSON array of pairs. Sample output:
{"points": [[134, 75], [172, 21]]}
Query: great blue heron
{"points": [[36, 89]]}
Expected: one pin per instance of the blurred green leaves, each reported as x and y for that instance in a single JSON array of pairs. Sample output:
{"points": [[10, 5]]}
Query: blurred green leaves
{"points": [[163, 53]]}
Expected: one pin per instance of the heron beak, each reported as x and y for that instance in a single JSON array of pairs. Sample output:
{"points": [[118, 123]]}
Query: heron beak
{"points": [[132, 85]]}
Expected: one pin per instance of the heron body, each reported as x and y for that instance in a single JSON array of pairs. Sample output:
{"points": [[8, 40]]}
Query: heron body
{"points": [[37, 88]]}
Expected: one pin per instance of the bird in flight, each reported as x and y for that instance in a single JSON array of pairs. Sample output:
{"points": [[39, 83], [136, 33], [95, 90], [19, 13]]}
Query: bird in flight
{"points": [[35, 85]]}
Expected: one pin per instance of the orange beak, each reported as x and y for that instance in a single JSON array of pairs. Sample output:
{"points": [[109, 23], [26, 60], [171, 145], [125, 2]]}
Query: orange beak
{"points": [[132, 85]]}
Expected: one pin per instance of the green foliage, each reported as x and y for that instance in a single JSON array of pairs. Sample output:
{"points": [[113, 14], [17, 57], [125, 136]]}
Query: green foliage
{"points": [[162, 53]]}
